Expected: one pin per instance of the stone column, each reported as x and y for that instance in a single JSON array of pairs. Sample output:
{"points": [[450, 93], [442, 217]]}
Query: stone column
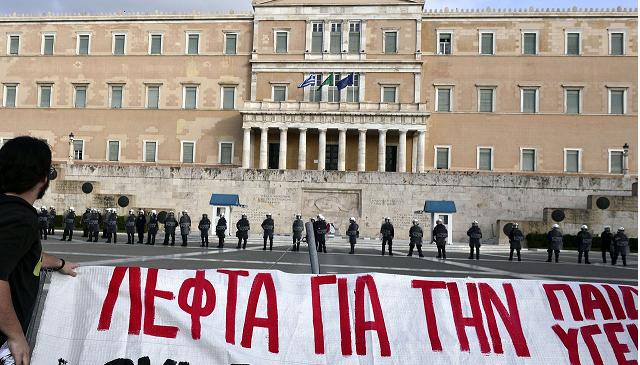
{"points": [[302, 150], [382, 150], [246, 148], [402, 151], [362, 149], [414, 151], [342, 148], [263, 147], [420, 167], [282, 164], [322, 148]]}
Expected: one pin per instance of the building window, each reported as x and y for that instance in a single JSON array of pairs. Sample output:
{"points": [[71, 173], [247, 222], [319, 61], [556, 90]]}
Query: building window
{"points": [[155, 44], [335, 38], [486, 97], [230, 43], [616, 162], [444, 42], [188, 151], [389, 94], [193, 43], [573, 43], [530, 43], [10, 95], [617, 101], [190, 97], [45, 95], [528, 159], [279, 93], [119, 43], [153, 96], [333, 94], [113, 151], [13, 44], [616, 43], [391, 41], [150, 151], [485, 158], [226, 153], [529, 100], [315, 94], [116, 96], [282, 41], [331, 157], [442, 157], [78, 149], [487, 45], [80, 97], [353, 92], [228, 97], [84, 44], [572, 160], [572, 101], [354, 37], [48, 41], [317, 37], [443, 99]]}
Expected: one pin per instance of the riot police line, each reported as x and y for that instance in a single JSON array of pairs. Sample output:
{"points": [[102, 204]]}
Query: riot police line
{"points": [[92, 221]]}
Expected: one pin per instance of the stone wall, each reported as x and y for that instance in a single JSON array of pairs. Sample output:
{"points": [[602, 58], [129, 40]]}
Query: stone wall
{"points": [[368, 196]]}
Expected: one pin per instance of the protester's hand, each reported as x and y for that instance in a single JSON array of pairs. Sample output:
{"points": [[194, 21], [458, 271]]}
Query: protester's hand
{"points": [[69, 269], [19, 349]]}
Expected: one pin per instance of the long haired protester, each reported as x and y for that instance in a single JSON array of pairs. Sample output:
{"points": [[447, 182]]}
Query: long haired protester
{"points": [[25, 165]]}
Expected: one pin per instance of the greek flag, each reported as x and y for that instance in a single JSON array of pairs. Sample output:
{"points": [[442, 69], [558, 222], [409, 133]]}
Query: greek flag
{"points": [[310, 81]]}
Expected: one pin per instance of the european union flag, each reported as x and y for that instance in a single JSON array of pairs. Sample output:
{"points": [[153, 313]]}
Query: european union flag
{"points": [[347, 81]]}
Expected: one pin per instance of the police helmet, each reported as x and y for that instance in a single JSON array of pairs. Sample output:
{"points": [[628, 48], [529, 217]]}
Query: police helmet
{"points": [[584, 227], [153, 212], [556, 226], [352, 219], [130, 211], [320, 216], [71, 209], [621, 229], [52, 207], [475, 223], [607, 228], [43, 208], [268, 214], [415, 221], [439, 221], [515, 224], [244, 216]]}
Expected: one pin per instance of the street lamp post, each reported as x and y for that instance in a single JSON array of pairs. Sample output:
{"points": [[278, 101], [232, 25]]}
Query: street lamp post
{"points": [[70, 160], [625, 159]]}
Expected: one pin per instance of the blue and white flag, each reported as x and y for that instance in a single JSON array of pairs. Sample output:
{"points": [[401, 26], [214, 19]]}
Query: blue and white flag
{"points": [[347, 81], [310, 81]]}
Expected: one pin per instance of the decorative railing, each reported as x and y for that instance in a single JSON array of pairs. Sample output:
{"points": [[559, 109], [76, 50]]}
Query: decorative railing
{"points": [[311, 107]]}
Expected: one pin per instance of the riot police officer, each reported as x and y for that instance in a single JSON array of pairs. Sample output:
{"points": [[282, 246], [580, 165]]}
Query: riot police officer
{"points": [[620, 246], [170, 224], [204, 226], [475, 234], [584, 244], [242, 232], [221, 228], [153, 228], [84, 221], [267, 228], [130, 226], [353, 231], [387, 233], [104, 221], [141, 222], [52, 221], [415, 238], [94, 225], [440, 235], [320, 227], [554, 237], [185, 227], [43, 220], [515, 241], [112, 225], [606, 239], [297, 228], [69, 222]]}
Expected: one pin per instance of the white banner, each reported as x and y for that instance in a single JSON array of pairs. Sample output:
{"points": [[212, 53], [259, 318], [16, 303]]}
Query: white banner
{"points": [[148, 316]]}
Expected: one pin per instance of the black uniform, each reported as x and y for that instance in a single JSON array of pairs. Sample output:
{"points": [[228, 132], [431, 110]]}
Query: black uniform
{"points": [[94, 226], [475, 234], [620, 247], [43, 220], [130, 225], [85, 223], [242, 232], [204, 226], [170, 224], [153, 229], [387, 233], [353, 233], [52, 221], [606, 239], [584, 245], [440, 235], [104, 221], [221, 228], [554, 237], [69, 222], [320, 228], [515, 242], [297, 228], [141, 222], [267, 227], [415, 239], [185, 228], [112, 227]]}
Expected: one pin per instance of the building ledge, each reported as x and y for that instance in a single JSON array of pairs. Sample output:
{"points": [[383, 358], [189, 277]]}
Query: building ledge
{"points": [[296, 107]]}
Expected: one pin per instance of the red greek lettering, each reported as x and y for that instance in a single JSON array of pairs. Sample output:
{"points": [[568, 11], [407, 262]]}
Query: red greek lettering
{"points": [[345, 325], [432, 326], [570, 341], [614, 298], [262, 280], [619, 349], [628, 294], [135, 295], [587, 333], [592, 299], [318, 326], [474, 321], [551, 289], [197, 309], [362, 325], [232, 301], [150, 293]]}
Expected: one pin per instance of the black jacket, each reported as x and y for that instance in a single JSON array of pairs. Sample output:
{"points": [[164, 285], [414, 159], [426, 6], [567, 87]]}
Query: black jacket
{"points": [[387, 230], [440, 234], [416, 234], [475, 234], [141, 221]]}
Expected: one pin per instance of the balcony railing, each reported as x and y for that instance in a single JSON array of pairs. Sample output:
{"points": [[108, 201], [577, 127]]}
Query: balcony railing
{"points": [[303, 106]]}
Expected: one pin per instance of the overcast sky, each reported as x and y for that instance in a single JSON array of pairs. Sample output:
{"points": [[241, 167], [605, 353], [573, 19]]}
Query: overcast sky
{"points": [[96, 6]]}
